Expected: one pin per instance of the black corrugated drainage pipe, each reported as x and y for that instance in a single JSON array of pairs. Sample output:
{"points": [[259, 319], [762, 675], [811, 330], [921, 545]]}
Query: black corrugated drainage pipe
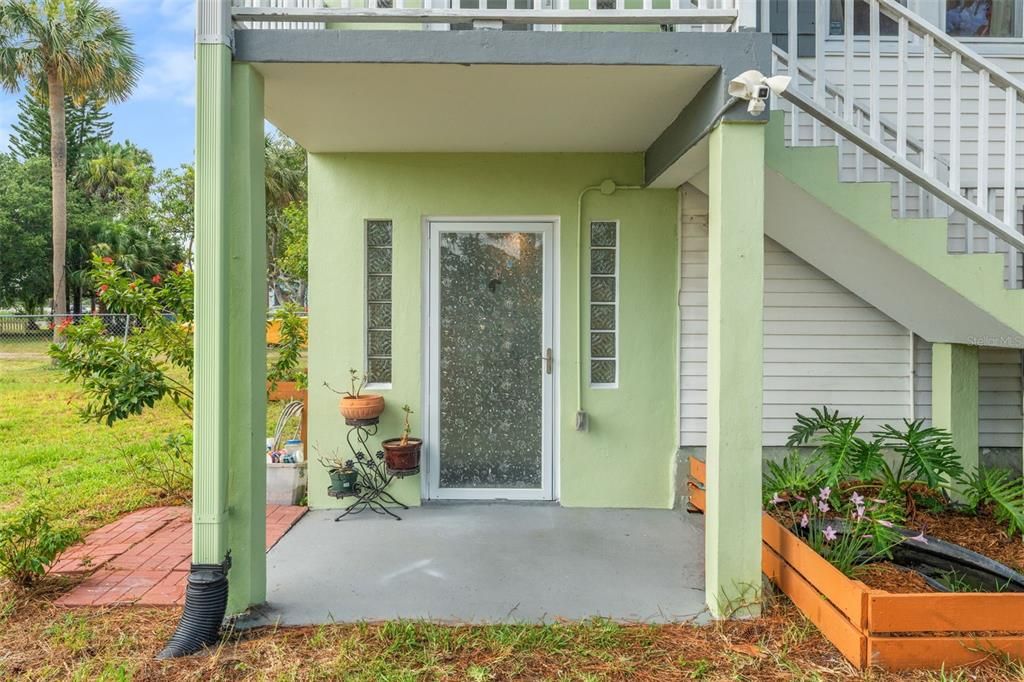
{"points": [[206, 602]]}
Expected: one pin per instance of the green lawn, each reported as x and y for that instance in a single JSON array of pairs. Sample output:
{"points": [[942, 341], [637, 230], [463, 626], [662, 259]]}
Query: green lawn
{"points": [[77, 468], [22, 346]]}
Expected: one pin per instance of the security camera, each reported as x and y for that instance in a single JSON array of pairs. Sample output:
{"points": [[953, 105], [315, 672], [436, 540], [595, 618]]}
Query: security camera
{"points": [[755, 87]]}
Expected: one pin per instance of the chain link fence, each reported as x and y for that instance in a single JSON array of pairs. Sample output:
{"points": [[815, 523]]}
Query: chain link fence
{"points": [[32, 334]]}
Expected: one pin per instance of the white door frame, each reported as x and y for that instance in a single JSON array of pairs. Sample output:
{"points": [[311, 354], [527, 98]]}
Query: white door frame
{"points": [[432, 226]]}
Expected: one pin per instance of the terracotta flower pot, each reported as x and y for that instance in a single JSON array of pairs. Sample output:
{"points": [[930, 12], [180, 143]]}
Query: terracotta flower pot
{"points": [[398, 457], [367, 406]]}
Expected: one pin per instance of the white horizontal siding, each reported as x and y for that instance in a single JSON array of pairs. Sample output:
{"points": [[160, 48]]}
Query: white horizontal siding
{"points": [[1000, 413], [822, 344]]}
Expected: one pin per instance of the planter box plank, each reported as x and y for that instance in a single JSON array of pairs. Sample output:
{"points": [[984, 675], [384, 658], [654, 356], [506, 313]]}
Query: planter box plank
{"points": [[849, 613], [909, 653], [946, 612], [697, 497], [846, 637], [698, 470], [847, 595]]}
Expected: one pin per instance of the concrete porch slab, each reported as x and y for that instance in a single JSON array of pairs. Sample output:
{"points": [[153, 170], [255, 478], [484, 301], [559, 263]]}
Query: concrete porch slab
{"points": [[488, 563]]}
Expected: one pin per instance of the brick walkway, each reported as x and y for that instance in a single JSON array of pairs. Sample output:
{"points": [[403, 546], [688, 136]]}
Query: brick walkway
{"points": [[144, 557]]}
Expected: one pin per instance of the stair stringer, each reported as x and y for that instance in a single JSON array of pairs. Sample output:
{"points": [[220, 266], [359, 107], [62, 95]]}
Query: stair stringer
{"points": [[901, 266]]}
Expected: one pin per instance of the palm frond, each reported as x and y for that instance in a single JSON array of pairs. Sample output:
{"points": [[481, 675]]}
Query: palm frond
{"points": [[807, 427], [796, 474], [928, 455], [83, 42], [1005, 493], [841, 449], [866, 460]]}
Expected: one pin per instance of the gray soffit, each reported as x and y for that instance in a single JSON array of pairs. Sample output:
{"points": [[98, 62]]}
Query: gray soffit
{"points": [[731, 53]]}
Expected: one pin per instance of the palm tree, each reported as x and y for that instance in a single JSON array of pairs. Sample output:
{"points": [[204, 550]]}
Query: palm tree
{"points": [[59, 48]]}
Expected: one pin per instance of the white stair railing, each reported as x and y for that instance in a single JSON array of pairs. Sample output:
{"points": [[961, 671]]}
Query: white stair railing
{"points": [[943, 153]]}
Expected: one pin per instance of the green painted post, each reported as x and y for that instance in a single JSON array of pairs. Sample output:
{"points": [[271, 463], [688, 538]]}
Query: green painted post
{"points": [[246, 318], [735, 346], [955, 397], [210, 442]]}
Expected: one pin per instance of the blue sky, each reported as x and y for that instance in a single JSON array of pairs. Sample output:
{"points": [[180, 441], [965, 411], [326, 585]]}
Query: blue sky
{"points": [[160, 115]]}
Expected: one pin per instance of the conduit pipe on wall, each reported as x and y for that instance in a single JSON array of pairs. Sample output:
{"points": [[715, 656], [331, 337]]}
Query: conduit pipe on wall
{"points": [[607, 188]]}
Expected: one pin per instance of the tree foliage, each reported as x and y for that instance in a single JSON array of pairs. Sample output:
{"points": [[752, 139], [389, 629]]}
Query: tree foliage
{"points": [[174, 206], [59, 49], [285, 174], [24, 233], [87, 124], [124, 376]]}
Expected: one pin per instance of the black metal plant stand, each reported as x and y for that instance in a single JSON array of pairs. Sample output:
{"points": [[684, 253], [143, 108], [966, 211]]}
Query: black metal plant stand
{"points": [[373, 476]]}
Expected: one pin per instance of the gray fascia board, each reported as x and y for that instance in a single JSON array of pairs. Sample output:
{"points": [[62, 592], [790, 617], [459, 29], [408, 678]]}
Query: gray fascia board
{"points": [[493, 47], [697, 117]]}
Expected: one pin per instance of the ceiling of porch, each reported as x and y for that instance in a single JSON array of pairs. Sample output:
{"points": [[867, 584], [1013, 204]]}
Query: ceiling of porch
{"points": [[373, 107]]}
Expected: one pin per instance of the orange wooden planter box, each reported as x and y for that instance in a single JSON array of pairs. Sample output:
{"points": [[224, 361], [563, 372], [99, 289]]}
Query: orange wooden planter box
{"points": [[875, 628]]}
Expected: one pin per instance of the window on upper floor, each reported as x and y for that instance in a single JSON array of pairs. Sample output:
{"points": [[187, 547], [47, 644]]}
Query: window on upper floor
{"points": [[861, 19], [960, 18], [983, 18]]}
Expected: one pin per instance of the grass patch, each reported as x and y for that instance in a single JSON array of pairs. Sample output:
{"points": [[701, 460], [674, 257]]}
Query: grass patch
{"points": [[78, 469], [120, 643]]}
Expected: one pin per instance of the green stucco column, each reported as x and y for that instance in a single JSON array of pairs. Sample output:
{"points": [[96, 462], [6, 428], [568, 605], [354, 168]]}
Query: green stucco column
{"points": [[955, 397], [246, 318], [210, 442], [230, 363], [732, 540]]}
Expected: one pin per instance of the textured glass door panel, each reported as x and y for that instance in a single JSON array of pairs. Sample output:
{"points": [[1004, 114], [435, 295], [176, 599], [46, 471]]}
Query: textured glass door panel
{"points": [[491, 336]]}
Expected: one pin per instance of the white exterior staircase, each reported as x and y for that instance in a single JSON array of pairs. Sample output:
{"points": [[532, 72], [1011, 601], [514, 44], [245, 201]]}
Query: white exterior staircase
{"points": [[924, 185]]}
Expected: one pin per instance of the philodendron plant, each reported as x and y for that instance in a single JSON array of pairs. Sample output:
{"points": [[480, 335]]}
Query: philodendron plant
{"points": [[849, 492]]}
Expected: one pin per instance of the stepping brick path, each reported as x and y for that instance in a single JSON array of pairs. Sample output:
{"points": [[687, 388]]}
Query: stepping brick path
{"points": [[144, 558]]}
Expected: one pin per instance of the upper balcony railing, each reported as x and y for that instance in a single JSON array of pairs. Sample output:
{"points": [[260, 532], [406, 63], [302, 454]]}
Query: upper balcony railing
{"points": [[700, 15]]}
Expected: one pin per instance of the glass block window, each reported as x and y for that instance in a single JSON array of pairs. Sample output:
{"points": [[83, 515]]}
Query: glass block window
{"points": [[604, 299], [378, 301]]}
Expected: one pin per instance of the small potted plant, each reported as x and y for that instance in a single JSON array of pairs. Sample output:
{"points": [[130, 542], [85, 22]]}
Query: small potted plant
{"points": [[343, 476], [403, 454], [356, 405]]}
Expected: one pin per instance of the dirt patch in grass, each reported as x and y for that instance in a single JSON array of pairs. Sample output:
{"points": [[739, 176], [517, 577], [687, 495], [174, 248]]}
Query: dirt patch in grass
{"points": [[40, 641]]}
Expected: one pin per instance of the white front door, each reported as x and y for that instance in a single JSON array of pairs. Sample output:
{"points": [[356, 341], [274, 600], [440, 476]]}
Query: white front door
{"points": [[490, 376]]}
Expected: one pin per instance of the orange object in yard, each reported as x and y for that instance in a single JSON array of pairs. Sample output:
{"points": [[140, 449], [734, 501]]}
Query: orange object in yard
{"points": [[875, 628], [274, 332]]}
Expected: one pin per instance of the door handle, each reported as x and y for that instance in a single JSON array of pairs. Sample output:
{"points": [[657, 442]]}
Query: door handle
{"points": [[549, 361]]}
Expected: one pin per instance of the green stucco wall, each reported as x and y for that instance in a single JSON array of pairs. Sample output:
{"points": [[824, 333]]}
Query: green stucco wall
{"points": [[625, 459]]}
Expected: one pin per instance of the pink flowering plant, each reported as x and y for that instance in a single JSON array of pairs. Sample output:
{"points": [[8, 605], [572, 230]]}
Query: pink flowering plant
{"points": [[846, 527], [840, 491]]}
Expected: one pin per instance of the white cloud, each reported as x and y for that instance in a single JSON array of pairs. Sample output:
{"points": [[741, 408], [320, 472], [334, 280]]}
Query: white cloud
{"points": [[177, 15], [169, 73]]}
